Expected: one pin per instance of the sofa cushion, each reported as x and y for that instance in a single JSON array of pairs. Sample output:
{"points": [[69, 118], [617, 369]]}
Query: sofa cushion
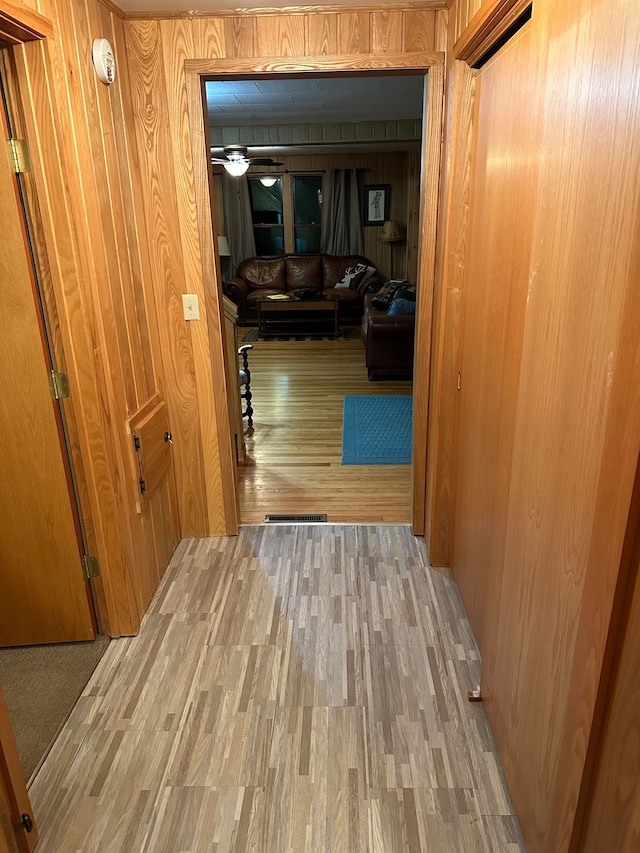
{"points": [[304, 273], [384, 297], [259, 273], [401, 307]]}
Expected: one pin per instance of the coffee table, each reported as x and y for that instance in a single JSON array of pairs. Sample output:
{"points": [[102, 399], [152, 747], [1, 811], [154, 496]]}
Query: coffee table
{"points": [[293, 312]]}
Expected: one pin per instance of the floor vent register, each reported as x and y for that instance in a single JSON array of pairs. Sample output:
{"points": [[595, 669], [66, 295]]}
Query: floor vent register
{"points": [[295, 519]]}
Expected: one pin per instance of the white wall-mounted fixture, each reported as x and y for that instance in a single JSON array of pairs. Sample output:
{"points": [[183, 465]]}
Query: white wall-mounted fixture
{"points": [[268, 180], [190, 307], [104, 61]]}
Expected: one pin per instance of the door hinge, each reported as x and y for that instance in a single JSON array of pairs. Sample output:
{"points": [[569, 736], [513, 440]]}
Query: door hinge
{"points": [[90, 566], [59, 385], [19, 159]]}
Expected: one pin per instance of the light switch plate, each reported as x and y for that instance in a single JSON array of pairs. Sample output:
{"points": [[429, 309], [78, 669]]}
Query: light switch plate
{"points": [[190, 306]]}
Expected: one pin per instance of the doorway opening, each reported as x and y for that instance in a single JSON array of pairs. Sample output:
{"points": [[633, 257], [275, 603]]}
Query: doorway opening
{"points": [[297, 129]]}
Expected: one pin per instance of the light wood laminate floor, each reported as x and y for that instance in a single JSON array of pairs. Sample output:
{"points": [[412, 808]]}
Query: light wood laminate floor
{"points": [[292, 689], [295, 450]]}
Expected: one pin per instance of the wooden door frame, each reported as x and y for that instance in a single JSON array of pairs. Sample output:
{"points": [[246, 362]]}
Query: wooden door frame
{"points": [[212, 363]]}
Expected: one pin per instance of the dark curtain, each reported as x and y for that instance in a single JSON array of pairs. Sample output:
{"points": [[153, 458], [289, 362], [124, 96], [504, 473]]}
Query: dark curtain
{"points": [[237, 219], [341, 223]]}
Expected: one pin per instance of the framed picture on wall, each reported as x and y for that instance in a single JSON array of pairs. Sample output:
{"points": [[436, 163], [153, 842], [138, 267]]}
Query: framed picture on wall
{"points": [[377, 198]]}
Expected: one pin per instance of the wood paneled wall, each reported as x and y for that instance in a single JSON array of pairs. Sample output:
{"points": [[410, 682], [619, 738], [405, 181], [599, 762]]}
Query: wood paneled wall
{"points": [[156, 51], [95, 248], [547, 487], [400, 170]]}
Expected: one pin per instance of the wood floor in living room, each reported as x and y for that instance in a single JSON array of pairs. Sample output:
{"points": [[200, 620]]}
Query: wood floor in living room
{"points": [[295, 452]]}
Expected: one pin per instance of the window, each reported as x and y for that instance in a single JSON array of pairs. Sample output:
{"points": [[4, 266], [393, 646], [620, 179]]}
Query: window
{"points": [[267, 218], [306, 212], [286, 215]]}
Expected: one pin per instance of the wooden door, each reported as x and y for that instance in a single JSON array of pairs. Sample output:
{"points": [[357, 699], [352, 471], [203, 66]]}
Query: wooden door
{"points": [[14, 800], [44, 598], [494, 294]]}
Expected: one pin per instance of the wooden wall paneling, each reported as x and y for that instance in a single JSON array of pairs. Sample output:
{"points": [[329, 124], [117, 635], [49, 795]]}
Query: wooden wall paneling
{"points": [[162, 214], [136, 327], [386, 32], [577, 427], [107, 255], [209, 37], [610, 814], [323, 35], [442, 30], [453, 224], [144, 312], [41, 83], [419, 29], [432, 135], [241, 36], [282, 35], [354, 33], [220, 470]]}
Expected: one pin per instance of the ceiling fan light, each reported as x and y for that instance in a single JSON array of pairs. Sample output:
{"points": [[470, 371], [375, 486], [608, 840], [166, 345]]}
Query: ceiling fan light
{"points": [[236, 168], [268, 181]]}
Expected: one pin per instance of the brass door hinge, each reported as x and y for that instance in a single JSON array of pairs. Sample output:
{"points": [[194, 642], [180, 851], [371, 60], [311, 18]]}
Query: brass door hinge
{"points": [[59, 385], [19, 155], [90, 566]]}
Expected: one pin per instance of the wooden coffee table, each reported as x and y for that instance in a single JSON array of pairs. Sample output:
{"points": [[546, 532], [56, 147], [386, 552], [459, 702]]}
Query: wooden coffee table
{"points": [[291, 313]]}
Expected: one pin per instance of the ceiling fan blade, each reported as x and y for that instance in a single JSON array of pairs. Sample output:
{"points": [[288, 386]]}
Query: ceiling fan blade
{"points": [[263, 161]]}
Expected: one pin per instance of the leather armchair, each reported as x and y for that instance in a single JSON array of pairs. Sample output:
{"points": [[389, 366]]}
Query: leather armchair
{"points": [[388, 342]]}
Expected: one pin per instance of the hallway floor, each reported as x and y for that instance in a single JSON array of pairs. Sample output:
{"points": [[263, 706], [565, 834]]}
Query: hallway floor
{"points": [[292, 689]]}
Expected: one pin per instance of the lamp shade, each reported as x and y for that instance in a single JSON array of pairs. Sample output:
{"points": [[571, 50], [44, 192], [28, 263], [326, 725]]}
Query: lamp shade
{"points": [[392, 232], [236, 168], [223, 247]]}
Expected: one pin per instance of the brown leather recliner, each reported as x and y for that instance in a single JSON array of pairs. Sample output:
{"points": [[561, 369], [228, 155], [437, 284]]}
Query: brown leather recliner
{"points": [[258, 277], [388, 342]]}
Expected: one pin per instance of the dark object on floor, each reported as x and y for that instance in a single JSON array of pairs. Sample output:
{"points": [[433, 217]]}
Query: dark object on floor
{"points": [[343, 278], [245, 383], [41, 685], [388, 341]]}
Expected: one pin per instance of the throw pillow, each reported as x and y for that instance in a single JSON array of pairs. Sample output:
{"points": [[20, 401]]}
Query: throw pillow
{"points": [[384, 297], [402, 307], [406, 293], [352, 277]]}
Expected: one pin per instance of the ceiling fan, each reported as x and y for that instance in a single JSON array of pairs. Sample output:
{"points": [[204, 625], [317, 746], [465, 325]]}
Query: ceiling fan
{"points": [[236, 162]]}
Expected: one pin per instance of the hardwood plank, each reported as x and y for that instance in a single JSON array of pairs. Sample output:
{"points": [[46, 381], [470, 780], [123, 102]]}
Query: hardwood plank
{"points": [[295, 451], [211, 731]]}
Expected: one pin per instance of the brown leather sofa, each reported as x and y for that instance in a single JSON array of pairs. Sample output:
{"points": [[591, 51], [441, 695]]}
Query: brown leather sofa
{"points": [[388, 342], [258, 277]]}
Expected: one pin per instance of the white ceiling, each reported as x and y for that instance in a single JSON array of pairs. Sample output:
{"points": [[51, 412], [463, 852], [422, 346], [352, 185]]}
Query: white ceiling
{"points": [[314, 100]]}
